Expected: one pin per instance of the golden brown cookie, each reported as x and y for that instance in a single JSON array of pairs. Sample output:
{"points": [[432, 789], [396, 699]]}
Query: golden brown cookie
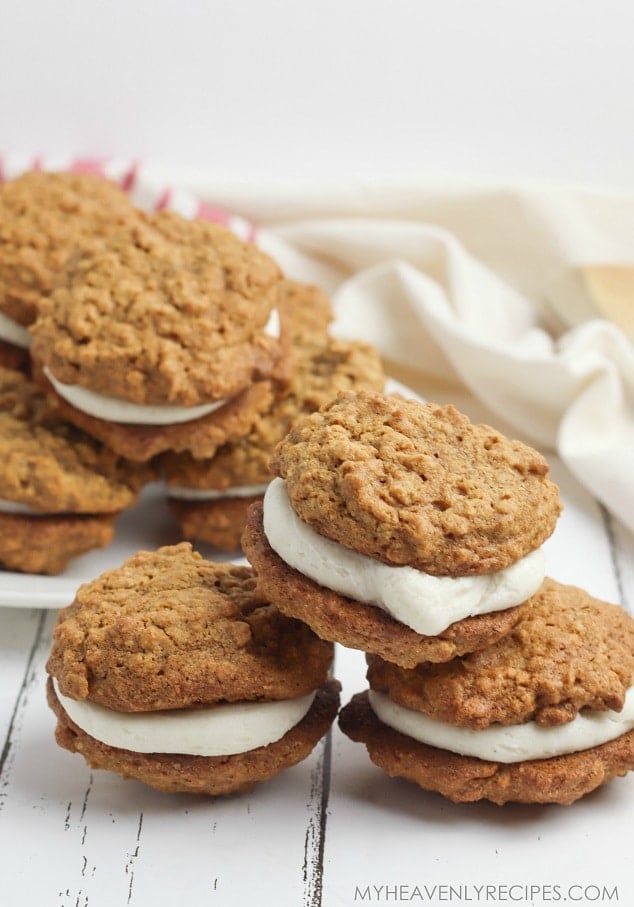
{"points": [[569, 658], [201, 437], [169, 312], [50, 465], [305, 312], [569, 651], [60, 490], [160, 339], [214, 775], [370, 480], [417, 484], [44, 219], [46, 544], [169, 633], [239, 472], [463, 779], [357, 625]]}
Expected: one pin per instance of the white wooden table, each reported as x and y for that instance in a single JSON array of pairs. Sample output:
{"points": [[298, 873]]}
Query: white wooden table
{"points": [[331, 831]]}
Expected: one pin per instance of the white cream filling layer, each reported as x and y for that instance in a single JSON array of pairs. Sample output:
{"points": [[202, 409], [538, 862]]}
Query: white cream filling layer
{"points": [[212, 494], [19, 508], [508, 743], [13, 332], [273, 326], [115, 409], [426, 604], [221, 730]]}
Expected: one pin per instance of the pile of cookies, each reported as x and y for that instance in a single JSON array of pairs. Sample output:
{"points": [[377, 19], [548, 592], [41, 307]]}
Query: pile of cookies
{"points": [[405, 531], [137, 346], [144, 346], [393, 527]]}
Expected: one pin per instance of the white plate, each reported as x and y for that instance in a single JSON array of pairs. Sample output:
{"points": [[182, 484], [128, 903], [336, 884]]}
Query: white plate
{"points": [[145, 527]]}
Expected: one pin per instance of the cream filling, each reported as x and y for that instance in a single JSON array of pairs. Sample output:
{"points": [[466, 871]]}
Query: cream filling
{"points": [[14, 333], [18, 508], [212, 494], [220, 730], [508, 743], [426, 604], [116, 409]]}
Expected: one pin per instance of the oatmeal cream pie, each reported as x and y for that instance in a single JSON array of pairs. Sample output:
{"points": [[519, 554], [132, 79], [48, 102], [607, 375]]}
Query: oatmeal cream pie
{"points": [[60, 489], [210, 498], [44, 219], [159, 339], [401, 528], [545, 715], [173, 670]]}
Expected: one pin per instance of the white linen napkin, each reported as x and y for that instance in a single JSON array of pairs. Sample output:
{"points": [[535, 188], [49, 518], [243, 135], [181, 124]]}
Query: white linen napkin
{"points": [[414, 291]]}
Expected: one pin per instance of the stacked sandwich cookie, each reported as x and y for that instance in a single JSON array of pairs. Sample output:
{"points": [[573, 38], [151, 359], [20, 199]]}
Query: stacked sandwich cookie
{"points": [[175, 671], [60, 489], [210, 498], [402, 529]]}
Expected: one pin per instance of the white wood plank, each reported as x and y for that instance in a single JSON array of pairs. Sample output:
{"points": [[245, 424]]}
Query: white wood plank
{"points": [[20, 633]]}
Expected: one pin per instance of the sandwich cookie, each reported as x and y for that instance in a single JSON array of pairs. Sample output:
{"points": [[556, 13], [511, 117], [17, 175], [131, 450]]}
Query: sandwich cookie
{"points": [[401, 528], [175, 671], [210, 498], [160, 338], [545, 715], [60, 489]]}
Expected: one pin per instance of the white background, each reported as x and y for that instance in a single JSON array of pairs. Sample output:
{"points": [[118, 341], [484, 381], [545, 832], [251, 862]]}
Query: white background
{"points": [[286, 90]]}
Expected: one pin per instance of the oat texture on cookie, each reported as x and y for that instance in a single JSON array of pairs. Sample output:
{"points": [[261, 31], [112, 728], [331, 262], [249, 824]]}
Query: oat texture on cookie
{"points": [[45, 219], [167, 312]]}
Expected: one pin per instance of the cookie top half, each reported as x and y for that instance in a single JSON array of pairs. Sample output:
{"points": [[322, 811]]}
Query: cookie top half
{"points": [[169, 629], [44, 218], [569, 651], [417, 484], [53, 467], [168, 312]]}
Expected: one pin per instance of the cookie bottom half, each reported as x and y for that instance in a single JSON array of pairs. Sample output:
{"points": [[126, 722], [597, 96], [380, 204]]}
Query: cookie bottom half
{"points": [[45, 544], [464, 779], [359, 626], [214, 775], [201, 437]]}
